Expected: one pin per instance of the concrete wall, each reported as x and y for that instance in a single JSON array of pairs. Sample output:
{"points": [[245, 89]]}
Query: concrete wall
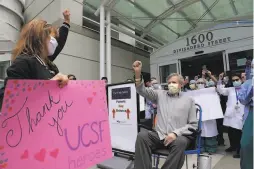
{"points": [[80, 55], [10, 23]]}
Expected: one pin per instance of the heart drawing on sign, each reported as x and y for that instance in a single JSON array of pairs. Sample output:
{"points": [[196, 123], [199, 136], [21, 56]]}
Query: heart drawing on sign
{"points": [[90, 100], [24, 155], [41, 155], [94, 93], [54, 153]]}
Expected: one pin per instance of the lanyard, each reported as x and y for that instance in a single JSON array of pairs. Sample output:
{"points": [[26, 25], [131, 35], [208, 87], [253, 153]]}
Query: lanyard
{"points": [[237, 98]]}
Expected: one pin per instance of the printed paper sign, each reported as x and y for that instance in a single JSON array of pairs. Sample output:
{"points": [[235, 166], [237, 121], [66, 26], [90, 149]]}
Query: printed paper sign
{"points": [[122, 107], [121, 93], [45, 127], [209, 101]]}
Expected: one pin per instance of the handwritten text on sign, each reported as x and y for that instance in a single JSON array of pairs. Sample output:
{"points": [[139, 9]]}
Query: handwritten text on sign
{"points": [[43, 126]]}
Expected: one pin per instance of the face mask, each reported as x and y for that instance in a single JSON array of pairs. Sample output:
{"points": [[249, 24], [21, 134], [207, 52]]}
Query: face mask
{"points": [[52, 46], [211, 83], [237, 83], [201, 86], [173, 88], [192, 86]]}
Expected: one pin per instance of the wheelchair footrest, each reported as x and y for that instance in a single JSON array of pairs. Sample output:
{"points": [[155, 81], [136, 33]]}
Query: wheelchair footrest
{"points": [[116, 163]]}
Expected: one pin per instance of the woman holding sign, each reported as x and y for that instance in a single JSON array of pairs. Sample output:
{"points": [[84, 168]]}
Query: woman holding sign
{"points": [[30, 55]]}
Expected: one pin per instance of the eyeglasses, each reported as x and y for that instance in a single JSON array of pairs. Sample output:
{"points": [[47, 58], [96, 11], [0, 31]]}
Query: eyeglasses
{"points": [[200, 83]]}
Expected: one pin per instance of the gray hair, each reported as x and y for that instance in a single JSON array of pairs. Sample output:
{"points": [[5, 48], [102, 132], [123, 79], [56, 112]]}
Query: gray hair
{"points": [[180, 77], [201, 80]]}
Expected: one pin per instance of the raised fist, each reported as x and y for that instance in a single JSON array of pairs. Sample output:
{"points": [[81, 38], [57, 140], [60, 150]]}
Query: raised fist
{"points": [[221, 76], [66, 15], [137, 67]]}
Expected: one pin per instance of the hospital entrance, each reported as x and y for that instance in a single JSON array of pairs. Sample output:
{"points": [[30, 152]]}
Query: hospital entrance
{"points": [[192, 66]]}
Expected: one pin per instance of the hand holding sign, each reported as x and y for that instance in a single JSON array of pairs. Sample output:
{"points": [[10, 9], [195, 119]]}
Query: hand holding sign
{"points": [[49, 127], [62, 79]]}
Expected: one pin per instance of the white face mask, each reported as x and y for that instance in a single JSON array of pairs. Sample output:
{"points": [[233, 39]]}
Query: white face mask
{"points": [[173, 88], [200, 86], [52, 46]]}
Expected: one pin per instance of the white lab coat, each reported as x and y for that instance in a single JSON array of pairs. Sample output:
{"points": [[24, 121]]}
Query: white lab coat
{"points": [[209, 128], [233, 117]]}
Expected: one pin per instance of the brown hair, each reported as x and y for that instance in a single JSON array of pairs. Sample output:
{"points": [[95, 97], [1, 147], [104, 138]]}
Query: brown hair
{"points": [[33, 38]]}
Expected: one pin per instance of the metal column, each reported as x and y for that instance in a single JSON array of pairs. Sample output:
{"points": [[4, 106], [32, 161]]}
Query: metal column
{"points": [[108, 46], [102, 41]]}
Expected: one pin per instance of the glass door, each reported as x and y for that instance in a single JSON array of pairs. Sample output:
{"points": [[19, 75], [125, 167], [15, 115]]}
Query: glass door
{"points": [[236, 58], [165, 69]]}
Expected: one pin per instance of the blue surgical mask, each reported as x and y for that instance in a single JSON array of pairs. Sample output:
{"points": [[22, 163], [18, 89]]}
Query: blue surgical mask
{"points": [[237, 83], [211, 83]]}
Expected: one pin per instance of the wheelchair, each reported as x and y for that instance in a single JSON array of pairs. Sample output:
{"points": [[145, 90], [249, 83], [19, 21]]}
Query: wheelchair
{"points": [[195, 147]]}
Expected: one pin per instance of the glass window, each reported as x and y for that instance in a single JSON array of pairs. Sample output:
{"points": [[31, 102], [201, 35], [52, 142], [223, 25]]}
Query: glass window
{"points": [[3, 66], [159, 29], [177, 23], [1, 83], [166, 70], [149, 5], [95, 3], [131, 12], [244, 6], [237, 60]]}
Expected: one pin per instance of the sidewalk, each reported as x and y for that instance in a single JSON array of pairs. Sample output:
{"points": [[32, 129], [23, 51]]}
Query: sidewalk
{"points": [[220, 160]]}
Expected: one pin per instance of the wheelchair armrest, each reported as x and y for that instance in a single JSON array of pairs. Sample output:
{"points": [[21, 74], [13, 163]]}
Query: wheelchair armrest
{"points": [[145, 127], [195, 132]]}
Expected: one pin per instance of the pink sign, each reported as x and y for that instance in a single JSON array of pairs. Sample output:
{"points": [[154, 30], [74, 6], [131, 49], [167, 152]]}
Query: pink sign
{"points": [[45, 127]]}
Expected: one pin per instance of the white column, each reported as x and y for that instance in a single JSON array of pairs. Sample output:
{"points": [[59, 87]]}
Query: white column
{"points": [[102, 41], [108, 46]]}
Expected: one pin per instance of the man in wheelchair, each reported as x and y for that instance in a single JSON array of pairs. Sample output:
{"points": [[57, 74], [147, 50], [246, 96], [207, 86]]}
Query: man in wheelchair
{"points": [[176, 115]]}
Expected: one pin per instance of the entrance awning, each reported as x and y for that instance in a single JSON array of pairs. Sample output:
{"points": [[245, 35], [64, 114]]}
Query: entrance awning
{"points": [[163, 21]]}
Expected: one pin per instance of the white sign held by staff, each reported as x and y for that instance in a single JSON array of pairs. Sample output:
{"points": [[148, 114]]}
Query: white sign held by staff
{"points": [[123, 116], [141, 103], [209, 101]]}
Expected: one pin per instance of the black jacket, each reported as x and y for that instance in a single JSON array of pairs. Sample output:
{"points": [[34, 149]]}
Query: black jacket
{"points": [[27, 67], [30, 67], [61, 40]]}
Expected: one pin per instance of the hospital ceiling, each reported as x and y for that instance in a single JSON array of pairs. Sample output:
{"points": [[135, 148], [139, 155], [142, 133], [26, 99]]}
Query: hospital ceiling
{"points": [[164, 21]]}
